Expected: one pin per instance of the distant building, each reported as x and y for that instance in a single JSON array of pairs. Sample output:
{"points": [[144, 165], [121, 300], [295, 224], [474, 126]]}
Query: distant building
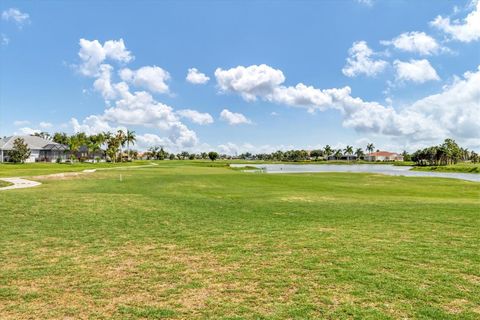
{"points": [[383, 156], [41, 149], [85, 155]]}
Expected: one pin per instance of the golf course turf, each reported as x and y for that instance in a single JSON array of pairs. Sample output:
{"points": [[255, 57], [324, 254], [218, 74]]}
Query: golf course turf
{"points": [[196, 240]]}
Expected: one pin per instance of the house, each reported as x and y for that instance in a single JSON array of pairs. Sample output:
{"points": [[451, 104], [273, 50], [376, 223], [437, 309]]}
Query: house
{"points": [[383, 156], [41, 149], [85, 155]]}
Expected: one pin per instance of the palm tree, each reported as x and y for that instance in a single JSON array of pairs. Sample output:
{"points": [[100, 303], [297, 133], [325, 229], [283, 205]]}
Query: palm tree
{"points": [[121, 139], [130, 138], [112, 148], [359, 153], [73, 144], [370, 147], [338, 154], [327, 151], [348, 151]]}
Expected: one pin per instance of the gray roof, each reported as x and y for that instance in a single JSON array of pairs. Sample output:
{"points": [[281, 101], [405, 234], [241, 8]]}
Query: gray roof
{"points": [[33, 142]]}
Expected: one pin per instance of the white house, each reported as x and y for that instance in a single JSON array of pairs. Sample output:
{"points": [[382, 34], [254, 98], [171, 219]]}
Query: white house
{"points": [[383, 156], [41, 149]]}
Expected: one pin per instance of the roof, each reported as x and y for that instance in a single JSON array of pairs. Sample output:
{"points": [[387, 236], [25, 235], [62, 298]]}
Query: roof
{"points": [[33, 142], [382, 154]]}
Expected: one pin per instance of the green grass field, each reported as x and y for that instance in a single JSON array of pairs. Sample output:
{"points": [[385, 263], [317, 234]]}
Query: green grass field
{"points": [[4, 184], [459, 167], [188, 240]]}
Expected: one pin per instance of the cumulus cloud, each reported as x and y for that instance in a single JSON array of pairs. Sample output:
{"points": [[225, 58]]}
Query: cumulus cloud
{"points": [[361, 61], [250, 81], [103, 83], [152, 78], [451, 113], [93, 53], [195, 116], [124, 106], [91, 125], [418, 71], [196, 77], [233, 118], [27, 131], [418, 42], [465, 30], [16, 16]]}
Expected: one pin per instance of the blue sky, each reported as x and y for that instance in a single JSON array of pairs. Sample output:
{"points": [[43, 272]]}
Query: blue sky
{"points": [[278, 72]]}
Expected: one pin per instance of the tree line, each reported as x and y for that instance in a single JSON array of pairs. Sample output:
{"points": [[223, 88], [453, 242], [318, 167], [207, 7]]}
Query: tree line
{"points": [[113, 142], [449, 152]]}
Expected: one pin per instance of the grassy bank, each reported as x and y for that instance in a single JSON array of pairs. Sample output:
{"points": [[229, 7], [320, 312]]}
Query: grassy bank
{"points": [[194, 240], [459, 167]]}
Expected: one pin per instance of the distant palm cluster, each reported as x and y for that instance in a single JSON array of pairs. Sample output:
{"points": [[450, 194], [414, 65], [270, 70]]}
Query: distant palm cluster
{"points": [[449, 152], [82, 146], [110, 146]]}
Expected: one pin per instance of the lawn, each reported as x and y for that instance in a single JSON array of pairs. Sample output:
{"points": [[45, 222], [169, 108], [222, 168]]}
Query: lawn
{"points": [[42, 168], [185, 240], [4, 184], [467, 167]]}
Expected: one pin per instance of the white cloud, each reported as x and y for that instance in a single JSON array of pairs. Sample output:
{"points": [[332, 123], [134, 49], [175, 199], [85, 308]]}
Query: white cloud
{"points": [[15, 15], [103, 83], [233, 118], [93, 53], [360, 61], [452, 113], [151, 78], [195, 116], [27, 131], [250, 81], [126, 108], [91, 125], [21, 123], [418, 42], [4, 39], [196, 77], [418, 71], [466, 30], [45, 125]]}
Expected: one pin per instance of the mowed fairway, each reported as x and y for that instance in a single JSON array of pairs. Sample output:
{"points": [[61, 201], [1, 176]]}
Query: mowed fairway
{"points": [[183, 240]]}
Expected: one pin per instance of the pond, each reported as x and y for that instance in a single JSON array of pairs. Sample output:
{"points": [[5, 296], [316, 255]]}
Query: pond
{"points": [[366, 168]]}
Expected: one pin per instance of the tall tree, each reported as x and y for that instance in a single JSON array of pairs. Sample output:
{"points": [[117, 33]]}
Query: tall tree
{"points": [[370, 147], [359, 153], [338, 154], [74, 142], [327, 151], [60, 137], [130, 138], [348, 151], [316, 154], [121, 139], [20, 151], [213, 155]]}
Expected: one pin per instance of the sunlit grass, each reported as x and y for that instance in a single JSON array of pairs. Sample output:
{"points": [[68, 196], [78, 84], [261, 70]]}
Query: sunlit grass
{"points": [[197, 240]]}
